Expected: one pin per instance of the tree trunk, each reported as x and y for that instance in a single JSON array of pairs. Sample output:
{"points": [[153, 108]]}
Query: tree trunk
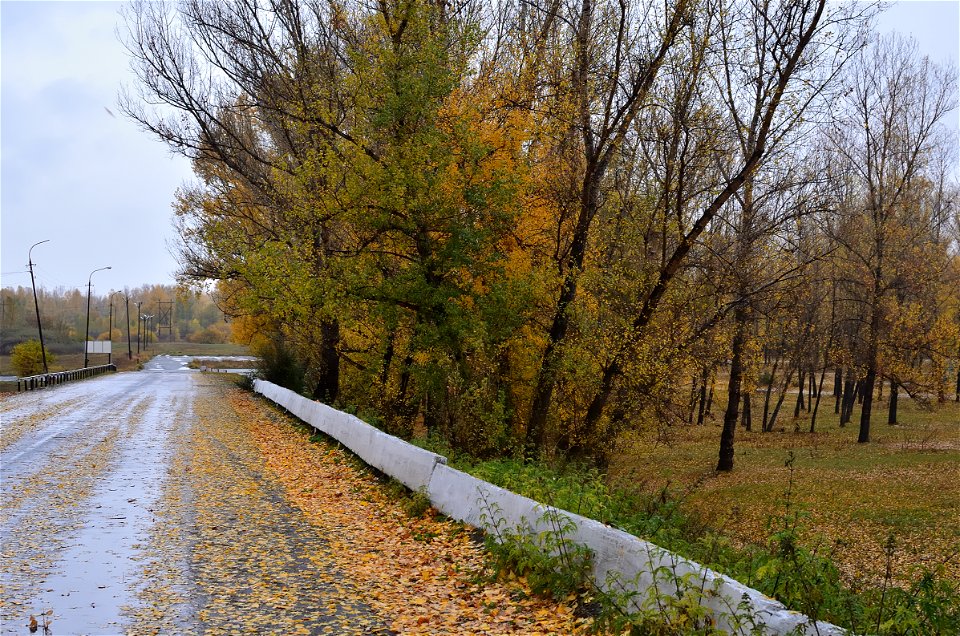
{"points": [[846, 410], [399, 400], [894, 396], [387, 361], [837, 389], [802, 383], [702, 408], [543, 394], [766, 400], [730, 416], [816, 405], [872, 363], [328, 378], [547, 378], [747, 419], [776, 410], [694, 389], [957, 390], [865, 412], [713, 382]]}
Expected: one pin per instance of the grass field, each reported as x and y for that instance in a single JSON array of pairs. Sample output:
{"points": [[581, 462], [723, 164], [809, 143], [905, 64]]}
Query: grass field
{"points": [[66, 362], [905, 483]]}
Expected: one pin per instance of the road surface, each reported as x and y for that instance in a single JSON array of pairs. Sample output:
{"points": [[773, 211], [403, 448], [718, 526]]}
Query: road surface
{"points": [[128, 504]]}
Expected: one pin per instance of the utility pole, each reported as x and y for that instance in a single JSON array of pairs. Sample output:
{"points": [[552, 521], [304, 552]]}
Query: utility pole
{"points": [[87, 334], [36, 304], [129, 345], [110, 328], [146, 330], [165, 318], [139, 320]]}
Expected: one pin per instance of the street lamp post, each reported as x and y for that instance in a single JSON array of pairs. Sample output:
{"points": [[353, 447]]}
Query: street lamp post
{"points": [[86, 335], [36, 303]]}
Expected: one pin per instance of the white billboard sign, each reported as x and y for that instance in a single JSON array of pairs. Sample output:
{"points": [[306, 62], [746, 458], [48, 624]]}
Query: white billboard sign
{"points": [[99, 346]]}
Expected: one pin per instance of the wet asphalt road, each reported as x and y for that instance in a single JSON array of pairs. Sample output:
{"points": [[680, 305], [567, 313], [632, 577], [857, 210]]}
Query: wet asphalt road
{"points": [[102, 533]]}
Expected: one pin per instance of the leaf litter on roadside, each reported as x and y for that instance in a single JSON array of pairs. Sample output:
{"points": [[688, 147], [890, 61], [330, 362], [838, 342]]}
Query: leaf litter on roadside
{"points": [[422, 573], [249, 562]]}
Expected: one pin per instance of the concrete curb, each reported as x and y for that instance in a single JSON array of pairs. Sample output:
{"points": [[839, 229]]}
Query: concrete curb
{"points": [[622, 563]]}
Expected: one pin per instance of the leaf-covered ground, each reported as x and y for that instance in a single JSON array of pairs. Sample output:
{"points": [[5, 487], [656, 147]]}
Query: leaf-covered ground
{"points": [[228, 554], [284, 535], [422, 575], [218, 515]]}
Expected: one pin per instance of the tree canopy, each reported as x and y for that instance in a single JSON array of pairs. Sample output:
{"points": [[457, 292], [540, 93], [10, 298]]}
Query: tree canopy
{"points": [[525, 228]]}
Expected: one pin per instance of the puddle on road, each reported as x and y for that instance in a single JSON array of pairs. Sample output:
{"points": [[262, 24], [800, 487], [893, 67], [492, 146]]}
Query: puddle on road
{"points": [[95, 574]]}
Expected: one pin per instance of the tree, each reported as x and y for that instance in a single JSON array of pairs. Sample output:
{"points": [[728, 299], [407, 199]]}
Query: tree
{"points": [[886, 134], [792, 34], [256, 91], [617, 54], [352, 189], [27, 358]]}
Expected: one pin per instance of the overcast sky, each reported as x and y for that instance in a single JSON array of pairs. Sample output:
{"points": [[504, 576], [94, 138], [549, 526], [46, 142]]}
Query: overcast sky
{"points": [[76, 172]]}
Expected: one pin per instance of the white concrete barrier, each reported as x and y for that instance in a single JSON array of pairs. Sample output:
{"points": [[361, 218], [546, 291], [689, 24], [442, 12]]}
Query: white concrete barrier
{"points": [[408, 464], [622, 563]]}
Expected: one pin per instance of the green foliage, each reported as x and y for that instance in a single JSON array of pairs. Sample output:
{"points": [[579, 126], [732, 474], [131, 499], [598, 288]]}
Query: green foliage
{"points": [[244, 381], [804, 579], [27, 358], [672, 606], [930, 606], [549, 560], [279, 364], [414, 503], [583, 490]]}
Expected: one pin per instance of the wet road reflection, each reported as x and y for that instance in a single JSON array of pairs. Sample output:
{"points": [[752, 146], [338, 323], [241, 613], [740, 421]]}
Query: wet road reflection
{"points": [[82, 467], [121, 500]]}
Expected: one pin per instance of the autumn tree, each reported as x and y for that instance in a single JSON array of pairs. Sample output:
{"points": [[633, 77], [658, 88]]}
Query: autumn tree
{"points": [[351, 188], [887, 134], [615, 51], [787, 31], [27, 358], [255, 98]]}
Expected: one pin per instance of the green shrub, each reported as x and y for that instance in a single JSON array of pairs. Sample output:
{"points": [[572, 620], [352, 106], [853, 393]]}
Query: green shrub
{"points": [[27, 358], [801, 574], [278, 364], [550, 561]]}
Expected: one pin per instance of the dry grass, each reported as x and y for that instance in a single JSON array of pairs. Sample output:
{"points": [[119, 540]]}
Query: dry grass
{"points": [[69, 361], [905, 482]]}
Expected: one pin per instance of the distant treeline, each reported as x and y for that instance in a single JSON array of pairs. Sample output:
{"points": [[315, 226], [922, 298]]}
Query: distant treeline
{"points": [[63, 313]]}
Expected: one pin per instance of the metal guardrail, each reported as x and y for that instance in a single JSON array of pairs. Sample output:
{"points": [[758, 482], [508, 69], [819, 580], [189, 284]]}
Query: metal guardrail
{"points": [[32, 382]]}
